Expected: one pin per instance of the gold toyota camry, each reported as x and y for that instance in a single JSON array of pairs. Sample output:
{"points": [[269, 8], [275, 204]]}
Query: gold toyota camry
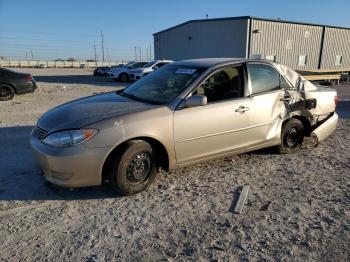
{"points": [[184, 113]]}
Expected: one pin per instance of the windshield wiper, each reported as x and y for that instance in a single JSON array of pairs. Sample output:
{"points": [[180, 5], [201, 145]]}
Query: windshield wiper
{"points": [[133, 97]]}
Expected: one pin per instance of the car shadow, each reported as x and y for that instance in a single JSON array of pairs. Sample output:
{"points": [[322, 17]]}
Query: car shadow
{"points": [[21, 177], [79, 79]]}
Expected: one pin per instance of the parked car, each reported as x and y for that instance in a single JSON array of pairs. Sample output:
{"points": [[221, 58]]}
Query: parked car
{"points": [[41, 66], [100, 71], [14, 83], [184, 113], [122, 73], [138, 73]]}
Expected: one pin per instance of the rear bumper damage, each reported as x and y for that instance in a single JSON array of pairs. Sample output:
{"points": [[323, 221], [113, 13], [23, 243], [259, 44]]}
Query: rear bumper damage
{"points": [[322, 131]]}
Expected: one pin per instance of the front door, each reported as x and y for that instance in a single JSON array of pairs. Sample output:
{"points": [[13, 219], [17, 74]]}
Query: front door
{"points": [[220, 126]]}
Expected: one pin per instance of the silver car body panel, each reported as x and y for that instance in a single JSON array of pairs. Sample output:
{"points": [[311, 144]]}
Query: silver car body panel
{"points": [[188, 134]]}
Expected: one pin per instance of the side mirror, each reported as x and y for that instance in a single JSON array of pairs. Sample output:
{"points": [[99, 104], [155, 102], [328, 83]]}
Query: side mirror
{"points": [[196, 100]]}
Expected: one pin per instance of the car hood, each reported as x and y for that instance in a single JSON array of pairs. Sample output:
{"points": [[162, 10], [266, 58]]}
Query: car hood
{"points": [[84, 111]]}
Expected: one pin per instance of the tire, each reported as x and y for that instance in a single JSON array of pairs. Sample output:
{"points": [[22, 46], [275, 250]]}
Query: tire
{"points": [[124, 77], [292, 136], [7, 92], [134, 169]]}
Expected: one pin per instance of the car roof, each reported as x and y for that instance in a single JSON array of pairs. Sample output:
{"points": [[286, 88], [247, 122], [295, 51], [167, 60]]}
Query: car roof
{"points": [[210, 62], [7, 70]]}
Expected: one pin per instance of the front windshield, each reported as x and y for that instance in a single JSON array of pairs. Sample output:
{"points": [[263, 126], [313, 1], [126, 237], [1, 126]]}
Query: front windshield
{"points": [[163, 85], [149, 64], [128, 64], [138, 65]]}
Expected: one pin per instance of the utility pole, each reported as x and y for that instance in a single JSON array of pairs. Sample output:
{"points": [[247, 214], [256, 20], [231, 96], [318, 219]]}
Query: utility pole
{"points": [[140, 52], [26, 55], [107, 56], [31, 51], [103, 49], [150, 51], [146, 53], [95, 55], [135, 53]]}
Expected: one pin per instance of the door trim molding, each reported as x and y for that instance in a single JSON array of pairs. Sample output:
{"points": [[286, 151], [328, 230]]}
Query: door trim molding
{"points": [[224, 132]]}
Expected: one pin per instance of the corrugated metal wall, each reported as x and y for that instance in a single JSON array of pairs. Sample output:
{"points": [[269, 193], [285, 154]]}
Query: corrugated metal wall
{"points": [[286, 41], [224, 38], [336, 42]]}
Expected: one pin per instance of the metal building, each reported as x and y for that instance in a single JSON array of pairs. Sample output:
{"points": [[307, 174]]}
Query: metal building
{"points": [[294, 44]]}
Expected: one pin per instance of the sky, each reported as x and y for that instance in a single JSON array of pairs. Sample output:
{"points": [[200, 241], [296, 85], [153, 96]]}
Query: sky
{"points": [[66, 28]]}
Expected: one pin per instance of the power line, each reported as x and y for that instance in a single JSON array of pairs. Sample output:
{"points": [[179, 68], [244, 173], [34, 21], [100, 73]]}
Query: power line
{"points": [[46, 33], [53, 47], [42, 39]]}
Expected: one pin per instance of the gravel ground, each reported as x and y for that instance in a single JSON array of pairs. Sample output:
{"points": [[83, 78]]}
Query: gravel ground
{"points": [[298, 205]]}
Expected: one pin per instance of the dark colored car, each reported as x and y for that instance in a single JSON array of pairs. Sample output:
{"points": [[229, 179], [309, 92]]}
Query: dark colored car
{"points": [[101, 71], [14, 83]]}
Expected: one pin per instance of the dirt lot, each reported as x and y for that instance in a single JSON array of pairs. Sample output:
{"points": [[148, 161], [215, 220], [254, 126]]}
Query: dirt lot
{"points": [[298, 206]]}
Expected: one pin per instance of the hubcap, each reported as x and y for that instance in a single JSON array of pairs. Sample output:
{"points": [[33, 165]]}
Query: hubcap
{"points": [[139, 168], [292, 138], [5, 92]]}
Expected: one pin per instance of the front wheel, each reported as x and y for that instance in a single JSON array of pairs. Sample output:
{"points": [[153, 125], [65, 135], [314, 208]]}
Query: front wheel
{"points": [[133, 170], [292, 136], [124, 77], [6, 92]]}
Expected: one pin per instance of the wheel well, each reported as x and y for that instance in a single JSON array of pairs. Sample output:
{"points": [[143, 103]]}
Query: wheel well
{"points": [[305, 121], [161, 153], [8, 84]]}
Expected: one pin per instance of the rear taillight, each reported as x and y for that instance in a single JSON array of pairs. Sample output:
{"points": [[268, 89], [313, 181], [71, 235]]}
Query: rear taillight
{"points": [[28, 77], [336, 99]]}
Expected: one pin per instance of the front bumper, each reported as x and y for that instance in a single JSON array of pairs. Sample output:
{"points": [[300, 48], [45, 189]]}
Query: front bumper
{"points": [[76, 166], [135, 77]]}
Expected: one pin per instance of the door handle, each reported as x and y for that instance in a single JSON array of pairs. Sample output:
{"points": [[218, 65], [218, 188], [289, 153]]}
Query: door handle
{"points": [[242, 109]]}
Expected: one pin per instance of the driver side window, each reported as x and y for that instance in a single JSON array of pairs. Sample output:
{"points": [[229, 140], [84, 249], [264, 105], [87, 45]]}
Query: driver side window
{"points": [[224, 84]]}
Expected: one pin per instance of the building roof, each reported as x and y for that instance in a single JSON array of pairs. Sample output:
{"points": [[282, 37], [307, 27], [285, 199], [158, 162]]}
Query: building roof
{"points": [[206, 62], [210, 62], [249, 17]]}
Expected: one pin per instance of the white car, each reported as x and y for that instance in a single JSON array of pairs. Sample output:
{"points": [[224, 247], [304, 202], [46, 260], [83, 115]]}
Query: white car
{"points": [[122, 73], [138, 73]]}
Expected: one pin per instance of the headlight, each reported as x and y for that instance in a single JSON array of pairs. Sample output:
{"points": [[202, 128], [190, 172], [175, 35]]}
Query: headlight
{"points": [[70, 137]]}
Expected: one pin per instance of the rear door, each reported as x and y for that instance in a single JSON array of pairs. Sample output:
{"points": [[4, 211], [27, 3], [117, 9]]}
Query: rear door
{"points": [[265, 102]]}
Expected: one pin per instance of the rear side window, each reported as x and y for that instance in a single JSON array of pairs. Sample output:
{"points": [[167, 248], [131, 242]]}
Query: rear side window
{"points": [[263, 78]]}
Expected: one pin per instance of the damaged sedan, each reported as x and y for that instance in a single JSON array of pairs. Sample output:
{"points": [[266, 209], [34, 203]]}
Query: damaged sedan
{"points": [[184, 113]]}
